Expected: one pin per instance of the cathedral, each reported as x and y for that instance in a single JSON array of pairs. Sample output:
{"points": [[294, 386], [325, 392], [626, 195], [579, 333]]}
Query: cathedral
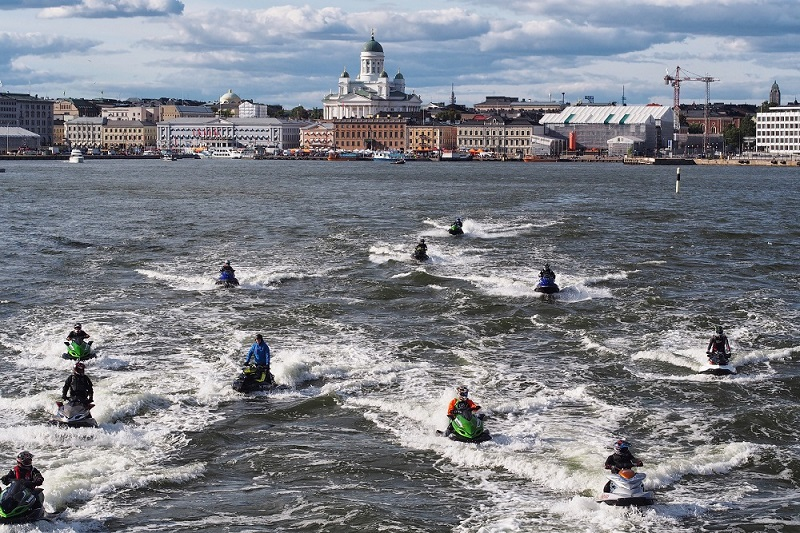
{"points": [[372, 92]]}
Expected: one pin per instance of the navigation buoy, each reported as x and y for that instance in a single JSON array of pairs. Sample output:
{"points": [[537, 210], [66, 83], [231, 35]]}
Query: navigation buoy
{"points": [[678, 181]]}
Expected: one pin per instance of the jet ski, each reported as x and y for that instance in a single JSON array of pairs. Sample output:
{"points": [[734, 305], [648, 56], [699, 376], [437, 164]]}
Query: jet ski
{"points": [[626, 488], [456, 228], [21, 502], [254, 379], [227, 279], [719, 364], [420, 253], [74, 413], [466, 426], [546, 285], [79, 350]]}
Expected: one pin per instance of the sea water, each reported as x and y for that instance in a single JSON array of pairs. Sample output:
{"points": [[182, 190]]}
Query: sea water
{"points": [[369, 344]]}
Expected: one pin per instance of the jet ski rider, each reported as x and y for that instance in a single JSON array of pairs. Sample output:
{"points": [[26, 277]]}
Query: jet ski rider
{"points": [[621, 458], [25, 470], [77, 334], [78, 386], [546, 272], [259, 352], [460, 403], [227, 268], [719, 348]]}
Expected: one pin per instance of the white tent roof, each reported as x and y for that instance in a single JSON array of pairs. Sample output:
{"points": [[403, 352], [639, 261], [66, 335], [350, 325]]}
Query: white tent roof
{"points": [[629, 114]]}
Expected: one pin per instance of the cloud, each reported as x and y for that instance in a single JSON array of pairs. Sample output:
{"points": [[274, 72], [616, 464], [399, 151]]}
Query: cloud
{"points": [[113, 9]]}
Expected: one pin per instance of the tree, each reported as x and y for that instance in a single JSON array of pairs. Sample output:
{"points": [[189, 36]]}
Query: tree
{"points": [[299, 113], [695, 128], [448, 115]]}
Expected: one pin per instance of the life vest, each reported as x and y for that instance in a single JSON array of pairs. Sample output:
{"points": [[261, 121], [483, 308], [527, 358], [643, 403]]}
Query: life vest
{"points": [[19, 473], [78, 385], [718, 343]]}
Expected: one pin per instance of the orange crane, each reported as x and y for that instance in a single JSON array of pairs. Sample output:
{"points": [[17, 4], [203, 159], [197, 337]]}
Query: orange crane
{"points": [[675, 81]]}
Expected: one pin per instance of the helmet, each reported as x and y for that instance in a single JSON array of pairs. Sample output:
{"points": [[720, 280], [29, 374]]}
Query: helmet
{"points": [[547, 266], [24, 459], [77, 325], [462, 391], [422, 241], [458, 219], [621, 446], [227, 262], [719, 330], [80, 368]]}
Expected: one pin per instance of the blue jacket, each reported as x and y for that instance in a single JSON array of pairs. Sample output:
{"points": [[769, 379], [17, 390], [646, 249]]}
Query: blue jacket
{"points": [[259, 352]]}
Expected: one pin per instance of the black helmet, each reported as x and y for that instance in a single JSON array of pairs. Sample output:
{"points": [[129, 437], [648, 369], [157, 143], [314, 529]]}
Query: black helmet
{"points": [[462, 391], [24, 459], [719, 330], [77, 325], [80, 368], [547, 266]]}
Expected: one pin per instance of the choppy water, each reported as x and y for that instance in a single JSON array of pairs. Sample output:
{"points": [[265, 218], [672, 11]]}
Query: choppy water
{"points": [[369, 344]]}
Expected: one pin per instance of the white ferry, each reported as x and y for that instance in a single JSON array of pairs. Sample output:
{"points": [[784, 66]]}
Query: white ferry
{"points": [[226, 153], [76, 156]]}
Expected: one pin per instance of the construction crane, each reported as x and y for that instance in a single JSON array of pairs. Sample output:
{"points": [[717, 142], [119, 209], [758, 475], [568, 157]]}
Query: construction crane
{"points": [[675, 81]]}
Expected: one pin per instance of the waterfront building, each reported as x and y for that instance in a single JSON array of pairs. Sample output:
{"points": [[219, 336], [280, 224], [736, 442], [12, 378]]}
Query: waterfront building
{"points": [[505, 137], [374, 133], [778, 130], [317, 136], [589, 128], [372, 92], [128, 135], [28, 112], [188, 134], [432, 137], [84, 132]]}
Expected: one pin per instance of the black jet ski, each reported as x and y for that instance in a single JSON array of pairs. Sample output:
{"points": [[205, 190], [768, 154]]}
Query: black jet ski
{"points": [[21, 502], [626, 488], [79, 350], [74, 413], [227, 279], [546, 285], [254, 378], [467, 426], [719, 364]]}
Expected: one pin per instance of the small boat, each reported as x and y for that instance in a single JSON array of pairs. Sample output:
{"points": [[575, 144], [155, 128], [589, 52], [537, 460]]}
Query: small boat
{"points": [[75, 156], [390, 156], [169, 156], [399, 162]]}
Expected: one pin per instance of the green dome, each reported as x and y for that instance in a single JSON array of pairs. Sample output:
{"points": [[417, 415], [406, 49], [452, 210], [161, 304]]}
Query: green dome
{"points": [[345, 74], [398, 76], [384, 75], [372, 46]]}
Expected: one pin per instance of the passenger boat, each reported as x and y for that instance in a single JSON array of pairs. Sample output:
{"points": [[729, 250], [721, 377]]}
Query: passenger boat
{"points": [[76, 156], [226, 153], [388, 156]]}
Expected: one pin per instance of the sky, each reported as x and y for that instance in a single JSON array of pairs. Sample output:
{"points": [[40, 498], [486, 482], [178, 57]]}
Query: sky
{"points": [[291, 55]]}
